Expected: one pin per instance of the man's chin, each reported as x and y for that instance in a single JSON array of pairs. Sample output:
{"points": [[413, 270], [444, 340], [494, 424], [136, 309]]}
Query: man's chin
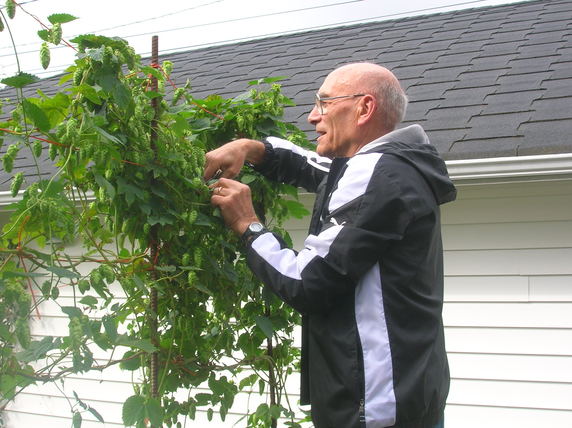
{"points": [[322, 149]]}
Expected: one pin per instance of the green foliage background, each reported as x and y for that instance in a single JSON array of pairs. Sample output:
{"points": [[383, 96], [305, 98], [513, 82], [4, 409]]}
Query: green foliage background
{"points": [[128, 187]]}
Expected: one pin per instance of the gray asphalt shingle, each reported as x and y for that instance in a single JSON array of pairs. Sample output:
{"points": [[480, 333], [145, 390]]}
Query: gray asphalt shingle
{"points": [[486, 82]]}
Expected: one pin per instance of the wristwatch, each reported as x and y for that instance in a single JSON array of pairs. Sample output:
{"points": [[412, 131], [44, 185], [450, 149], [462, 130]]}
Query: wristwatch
{"points": [[253, 230]]}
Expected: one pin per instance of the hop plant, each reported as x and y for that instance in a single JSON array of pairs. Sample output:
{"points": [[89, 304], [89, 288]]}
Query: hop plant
{"points": [[53, 151], [10, 8], [45, 55], [77, 76], [16, 183], [56, 33], [37, 149], [9, 157]]}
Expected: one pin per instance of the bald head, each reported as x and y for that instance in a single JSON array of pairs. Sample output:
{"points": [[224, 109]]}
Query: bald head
{"points": [[378, 81], [356, 104]]}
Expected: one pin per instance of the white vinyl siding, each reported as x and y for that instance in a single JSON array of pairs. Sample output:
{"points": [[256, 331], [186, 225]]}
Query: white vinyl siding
{"points": [[508, 305], [507, 314]]}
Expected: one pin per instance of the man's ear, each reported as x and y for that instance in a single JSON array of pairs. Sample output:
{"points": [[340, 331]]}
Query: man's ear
{"points": [[366, 109]]}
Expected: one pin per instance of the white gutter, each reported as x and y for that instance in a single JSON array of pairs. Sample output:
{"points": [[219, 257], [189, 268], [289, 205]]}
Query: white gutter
{"points": [[7, 199], [475, 171], [523, 168]]}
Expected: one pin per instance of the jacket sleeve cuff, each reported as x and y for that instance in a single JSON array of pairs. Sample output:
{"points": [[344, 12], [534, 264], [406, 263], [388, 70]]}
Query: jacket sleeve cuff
{"points": [[268, 155]]}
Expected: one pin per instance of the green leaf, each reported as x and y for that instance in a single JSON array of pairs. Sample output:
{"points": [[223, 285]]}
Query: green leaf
{"points": [[215, 385], [275, 411], [243, 97], [265, 325], [55, 108], [61, 272], [130, 191], [154, 412], [263, 412], [37, 115], [200, 124], [267, 80], [160, 219], [83, 285], [55, 293], [248, 178], [89, 92], [203, 398], [108, 136], [89, 301], [8, 384], [38, 349], [122, 95], [296, 209], [76, 420], [133, 410], [46, 289], [81, 403], [140, 284], [152, 71], [248, 381], [202, 288], [61, 18], [72, 311], [153, 94], [46, 258], [180, 125], [223, 411], [110, 328], [168, 268], [44, 35], [96, 414], [109, 189], [129, 361], [20, 80], [143, 344], [17, 274]]}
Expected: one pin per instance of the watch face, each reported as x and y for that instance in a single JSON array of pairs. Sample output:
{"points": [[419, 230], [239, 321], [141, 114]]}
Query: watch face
{"points": [[256, 227]]}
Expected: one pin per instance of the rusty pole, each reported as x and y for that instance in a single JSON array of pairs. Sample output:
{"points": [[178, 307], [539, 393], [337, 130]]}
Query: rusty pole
{"points": [[153, 324]]}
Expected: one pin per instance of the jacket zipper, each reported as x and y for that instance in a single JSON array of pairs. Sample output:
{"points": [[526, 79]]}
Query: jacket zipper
{"points": [[362, 411]]}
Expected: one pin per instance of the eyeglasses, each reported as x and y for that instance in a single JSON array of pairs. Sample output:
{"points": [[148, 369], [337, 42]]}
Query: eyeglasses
{"points": [[320, 101]]}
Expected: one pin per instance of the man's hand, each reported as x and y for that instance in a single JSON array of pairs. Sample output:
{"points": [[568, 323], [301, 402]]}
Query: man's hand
{"points": [[235, 202], [231, 157]]}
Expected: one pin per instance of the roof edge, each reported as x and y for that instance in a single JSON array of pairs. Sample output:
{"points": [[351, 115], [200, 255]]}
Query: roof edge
{"points": [[525, 168]]}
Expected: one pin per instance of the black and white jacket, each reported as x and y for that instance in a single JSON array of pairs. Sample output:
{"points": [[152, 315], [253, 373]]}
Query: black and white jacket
{"points": [[369, 282]]}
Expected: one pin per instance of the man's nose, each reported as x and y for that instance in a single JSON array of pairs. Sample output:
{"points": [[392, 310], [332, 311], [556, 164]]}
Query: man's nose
{"points": [[314, 116]]}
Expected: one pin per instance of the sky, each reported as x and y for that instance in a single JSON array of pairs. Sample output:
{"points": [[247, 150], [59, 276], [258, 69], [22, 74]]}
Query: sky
{"points": [[192, 24]]}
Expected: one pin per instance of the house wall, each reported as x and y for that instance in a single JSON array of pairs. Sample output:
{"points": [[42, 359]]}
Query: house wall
{"points": [[507, 314], [508, 305]]}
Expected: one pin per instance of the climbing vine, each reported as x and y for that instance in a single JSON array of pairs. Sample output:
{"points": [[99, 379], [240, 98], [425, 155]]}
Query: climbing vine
{"points": [[128, 149]]}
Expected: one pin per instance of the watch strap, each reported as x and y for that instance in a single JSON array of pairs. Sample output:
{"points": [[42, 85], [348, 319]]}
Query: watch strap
{"points": [[249, 235]]}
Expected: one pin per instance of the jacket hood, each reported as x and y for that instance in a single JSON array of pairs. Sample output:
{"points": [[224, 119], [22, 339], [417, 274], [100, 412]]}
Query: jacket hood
{"points": [[412, 145]]}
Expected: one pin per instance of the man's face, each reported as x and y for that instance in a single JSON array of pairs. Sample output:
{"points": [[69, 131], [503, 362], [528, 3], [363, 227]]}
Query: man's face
{"points": [[336, 127]]}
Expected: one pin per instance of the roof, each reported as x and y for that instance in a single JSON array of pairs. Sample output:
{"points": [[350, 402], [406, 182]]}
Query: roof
{"points": [[486, 82]]}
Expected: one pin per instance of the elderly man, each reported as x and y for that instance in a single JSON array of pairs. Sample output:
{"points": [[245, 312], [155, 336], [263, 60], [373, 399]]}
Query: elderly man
{"points": [[369, 281]]}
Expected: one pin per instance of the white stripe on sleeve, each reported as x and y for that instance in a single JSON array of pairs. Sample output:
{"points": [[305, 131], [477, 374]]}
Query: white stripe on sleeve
{"points": [[315, 160], [285, 260]]}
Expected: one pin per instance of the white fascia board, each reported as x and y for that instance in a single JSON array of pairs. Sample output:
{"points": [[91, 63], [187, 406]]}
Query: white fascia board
{"points": [[6, 197], [521, 168]]}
